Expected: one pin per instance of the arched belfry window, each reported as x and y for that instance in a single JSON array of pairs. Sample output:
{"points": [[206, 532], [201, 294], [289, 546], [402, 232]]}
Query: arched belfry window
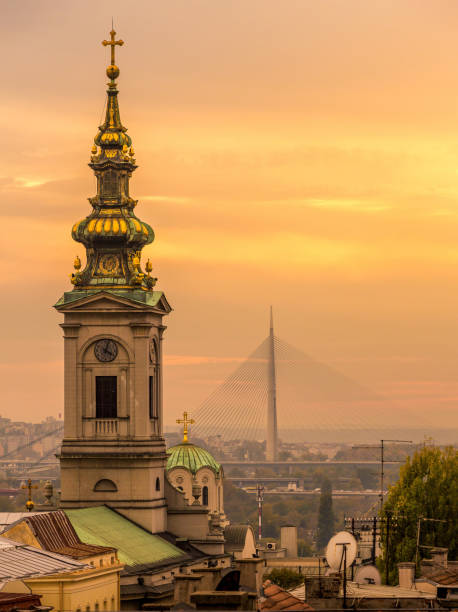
{"points": [[205, 496], [154, 393]]}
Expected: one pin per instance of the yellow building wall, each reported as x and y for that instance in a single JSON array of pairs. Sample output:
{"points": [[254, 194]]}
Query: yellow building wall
{"points": [[21, 533], [93, 590]]}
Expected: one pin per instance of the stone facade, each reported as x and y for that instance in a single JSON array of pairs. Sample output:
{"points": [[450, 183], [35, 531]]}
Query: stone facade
{"points": [[210, 487], [118, 461]]}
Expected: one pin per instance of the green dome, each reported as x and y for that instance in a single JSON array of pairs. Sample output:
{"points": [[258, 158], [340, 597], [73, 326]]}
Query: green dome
{"points": [[190, 457]]}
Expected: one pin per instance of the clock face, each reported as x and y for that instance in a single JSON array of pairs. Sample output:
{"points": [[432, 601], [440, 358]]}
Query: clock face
{"points": [[106, 350], [109, 265]]}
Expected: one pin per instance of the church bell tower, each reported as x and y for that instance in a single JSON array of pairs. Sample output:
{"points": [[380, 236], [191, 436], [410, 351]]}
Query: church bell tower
{"points": [[113, 451]]}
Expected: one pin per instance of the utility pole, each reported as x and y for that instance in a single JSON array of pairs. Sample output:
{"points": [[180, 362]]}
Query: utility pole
{"points": [[381, 446], [374, 539], [387, 544], [344, 559], [260, 499]]}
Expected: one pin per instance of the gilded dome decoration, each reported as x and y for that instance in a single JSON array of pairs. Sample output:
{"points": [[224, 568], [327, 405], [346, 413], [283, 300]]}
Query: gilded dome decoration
{"points": [[112, 234]]}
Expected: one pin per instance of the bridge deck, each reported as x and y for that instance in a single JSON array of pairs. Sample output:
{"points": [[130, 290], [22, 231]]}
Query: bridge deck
{"points": [[303, 463]]}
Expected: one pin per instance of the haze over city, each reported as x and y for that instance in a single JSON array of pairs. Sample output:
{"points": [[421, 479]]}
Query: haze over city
{"points": [[303, 155]]}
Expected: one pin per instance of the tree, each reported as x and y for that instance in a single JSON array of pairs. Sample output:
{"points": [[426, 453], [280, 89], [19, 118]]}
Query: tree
{"points": [[325, 514], [427, 489], [285, 578], [304, 548]]}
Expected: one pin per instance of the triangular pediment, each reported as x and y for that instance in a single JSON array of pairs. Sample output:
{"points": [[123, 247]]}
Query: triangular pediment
{"points": [[106, 300], [163, 305]]}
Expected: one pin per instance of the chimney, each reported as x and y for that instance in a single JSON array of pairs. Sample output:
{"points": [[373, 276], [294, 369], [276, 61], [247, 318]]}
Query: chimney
{"points": [[288, 540], [406, 574], [439, 556]]}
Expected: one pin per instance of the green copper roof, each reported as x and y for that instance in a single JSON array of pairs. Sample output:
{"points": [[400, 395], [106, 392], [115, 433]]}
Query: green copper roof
{"points": [[101, 526], [149, 298], [191, 457]]}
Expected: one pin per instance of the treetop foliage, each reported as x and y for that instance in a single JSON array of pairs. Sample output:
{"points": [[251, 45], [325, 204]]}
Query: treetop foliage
{"points": [[427, 489], [284, 577], [325, 515]]}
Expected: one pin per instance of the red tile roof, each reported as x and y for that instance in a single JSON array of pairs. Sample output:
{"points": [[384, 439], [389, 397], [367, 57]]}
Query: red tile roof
{"points": [[24, 601], [444, 576], [278, 599]]}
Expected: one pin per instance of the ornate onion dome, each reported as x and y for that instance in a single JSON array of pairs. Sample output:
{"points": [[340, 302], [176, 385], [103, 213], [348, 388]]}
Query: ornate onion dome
{"points": [[112, 234]]}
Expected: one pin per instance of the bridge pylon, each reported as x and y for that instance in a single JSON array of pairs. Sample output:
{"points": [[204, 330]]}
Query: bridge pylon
{"points": [[272, 426]]}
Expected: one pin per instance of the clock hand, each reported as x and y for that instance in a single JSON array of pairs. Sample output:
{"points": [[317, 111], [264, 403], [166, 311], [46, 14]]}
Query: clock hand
{"points": [[111, 349]]}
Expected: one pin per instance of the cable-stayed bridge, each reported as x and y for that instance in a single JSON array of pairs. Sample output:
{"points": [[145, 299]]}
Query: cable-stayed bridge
{"points": [[279, 391]]}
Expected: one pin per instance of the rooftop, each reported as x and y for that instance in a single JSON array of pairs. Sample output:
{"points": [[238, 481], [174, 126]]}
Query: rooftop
{"points": [[385, 591], [101, 526], [54, 532], [22, 600], [7, 518], [443, 576], [19, 561], [191, 457], [278, 599], [373, 591], [235, 536]]}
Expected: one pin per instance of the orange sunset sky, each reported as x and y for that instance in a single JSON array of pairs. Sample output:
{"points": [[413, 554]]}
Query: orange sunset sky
{"points": [[297, 153]]}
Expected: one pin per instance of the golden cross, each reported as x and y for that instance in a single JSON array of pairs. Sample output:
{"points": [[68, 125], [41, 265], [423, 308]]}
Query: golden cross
{"points": [[112, 44], [29, 503], [185, 422]]}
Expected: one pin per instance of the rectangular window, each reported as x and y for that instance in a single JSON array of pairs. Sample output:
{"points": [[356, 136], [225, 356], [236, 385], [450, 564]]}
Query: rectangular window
{"points": [[106, 400], [109, 184], [152, 398]]}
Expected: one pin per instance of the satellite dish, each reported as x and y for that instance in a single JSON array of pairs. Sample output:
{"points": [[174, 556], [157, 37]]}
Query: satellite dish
{"points": [[341, 549], [368, 574]]}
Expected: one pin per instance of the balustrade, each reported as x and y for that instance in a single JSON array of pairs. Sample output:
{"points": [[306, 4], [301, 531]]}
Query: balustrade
{"points": [[106, 427]]}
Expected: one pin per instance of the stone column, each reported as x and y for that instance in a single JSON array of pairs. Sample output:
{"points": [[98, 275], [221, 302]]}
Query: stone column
{"points": [[140, 409], [72, 413], [161, 330], [251, 572]]}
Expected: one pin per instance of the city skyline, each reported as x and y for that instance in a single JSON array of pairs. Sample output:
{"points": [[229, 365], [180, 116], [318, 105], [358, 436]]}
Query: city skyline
{"points": [[326, 190]]}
